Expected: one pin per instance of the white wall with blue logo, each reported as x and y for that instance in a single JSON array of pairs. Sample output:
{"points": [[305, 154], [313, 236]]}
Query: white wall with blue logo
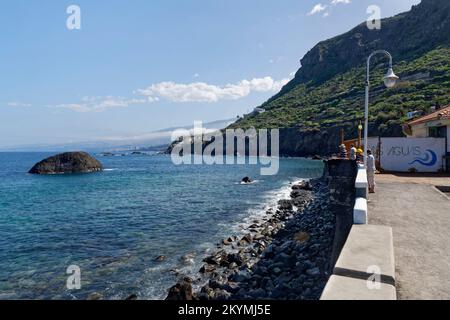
{"points": [[404, 154]]}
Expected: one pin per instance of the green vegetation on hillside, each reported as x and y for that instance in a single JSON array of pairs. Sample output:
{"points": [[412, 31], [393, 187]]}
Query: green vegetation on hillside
{"points": [[340, 100]]}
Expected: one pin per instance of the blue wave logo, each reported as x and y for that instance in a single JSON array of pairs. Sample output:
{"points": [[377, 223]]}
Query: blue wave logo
{"points": [[429, 160]]}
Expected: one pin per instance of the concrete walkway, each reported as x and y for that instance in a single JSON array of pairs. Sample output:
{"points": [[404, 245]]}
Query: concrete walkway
{"points": [[420, 218]]}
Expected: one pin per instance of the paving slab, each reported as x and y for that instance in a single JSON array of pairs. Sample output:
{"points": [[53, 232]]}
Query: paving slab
{"points": [[420, 219]]}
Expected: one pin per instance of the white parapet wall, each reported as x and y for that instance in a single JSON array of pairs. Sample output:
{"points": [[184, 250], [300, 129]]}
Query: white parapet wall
{"points": [[365, 269], [360, 215], [361, 182]]}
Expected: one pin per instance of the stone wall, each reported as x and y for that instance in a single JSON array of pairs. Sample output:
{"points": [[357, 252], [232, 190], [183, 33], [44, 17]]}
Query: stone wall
{"points": [[341, 176]]}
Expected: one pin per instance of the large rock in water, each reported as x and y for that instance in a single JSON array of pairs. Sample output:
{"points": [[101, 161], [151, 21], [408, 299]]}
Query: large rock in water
{"points": [[69, 162], [182, 291]]}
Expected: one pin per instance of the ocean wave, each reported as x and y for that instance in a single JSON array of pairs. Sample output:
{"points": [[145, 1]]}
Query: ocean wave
{"points": [[248, 183], [270, 201]]}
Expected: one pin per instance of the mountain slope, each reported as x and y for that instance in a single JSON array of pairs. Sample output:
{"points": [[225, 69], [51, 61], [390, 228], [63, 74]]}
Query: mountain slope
{"points": [[327, 93]]}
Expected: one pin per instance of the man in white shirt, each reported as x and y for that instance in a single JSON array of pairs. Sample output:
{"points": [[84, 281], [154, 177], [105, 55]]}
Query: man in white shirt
{"points": [[371, 168], [352, 152]]}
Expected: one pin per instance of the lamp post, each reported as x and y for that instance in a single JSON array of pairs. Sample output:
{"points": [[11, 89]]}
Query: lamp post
{"points": [[390, 79], [360, 128]]}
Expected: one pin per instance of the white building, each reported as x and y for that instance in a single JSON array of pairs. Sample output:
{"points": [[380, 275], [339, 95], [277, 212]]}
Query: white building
{"points": [[435, 125]]}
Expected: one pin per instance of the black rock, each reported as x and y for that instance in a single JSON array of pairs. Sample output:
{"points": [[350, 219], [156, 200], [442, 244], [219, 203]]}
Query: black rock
{"points": [[285, 205], [95, 296], [207, 268], [246, 180], [69, 162], [219, 258], [221, 295], [240, 276], [182, 291], [160, 258], [237, 258], [208, 292], [313, 272], [228, 241], [202, 296], [247, 239], [304, 185], [258, 237]]}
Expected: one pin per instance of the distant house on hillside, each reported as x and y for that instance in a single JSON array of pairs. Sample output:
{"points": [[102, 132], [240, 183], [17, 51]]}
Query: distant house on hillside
{"points": [[436, 124], [255, 112], [413, 114]]}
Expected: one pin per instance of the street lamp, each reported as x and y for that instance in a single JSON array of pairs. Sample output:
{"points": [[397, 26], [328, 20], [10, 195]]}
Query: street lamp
{"points": [[360, 129], [390, 79]]}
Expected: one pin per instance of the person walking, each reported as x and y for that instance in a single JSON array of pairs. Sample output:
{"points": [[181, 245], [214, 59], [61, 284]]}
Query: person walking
{"points": [[371, 168]]}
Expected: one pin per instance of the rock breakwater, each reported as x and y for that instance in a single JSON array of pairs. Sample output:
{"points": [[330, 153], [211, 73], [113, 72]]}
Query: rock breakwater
{"points": [[286, 255]]}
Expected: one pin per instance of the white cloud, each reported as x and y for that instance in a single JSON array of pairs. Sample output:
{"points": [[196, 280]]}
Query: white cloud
{"points": [[327, 8], [317, 8], [336, 2], [204, 92], [196, 75], [276, 60], [178, 92], [99, 104], [18, 104]]}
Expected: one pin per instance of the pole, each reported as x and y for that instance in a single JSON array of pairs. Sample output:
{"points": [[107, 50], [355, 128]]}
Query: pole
{"points": [[366, 112], [366, 109], [359, 135]]}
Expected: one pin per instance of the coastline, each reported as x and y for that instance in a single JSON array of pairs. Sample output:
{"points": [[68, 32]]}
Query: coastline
{"points": [[284, 255]]}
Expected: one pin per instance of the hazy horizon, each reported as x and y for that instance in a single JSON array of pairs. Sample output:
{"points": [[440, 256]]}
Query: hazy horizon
{"points": [[153, 65]]}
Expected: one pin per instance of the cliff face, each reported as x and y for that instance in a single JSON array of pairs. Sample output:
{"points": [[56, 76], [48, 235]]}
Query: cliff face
{"points": [[327, 93], [406, 36], [295, 142]]}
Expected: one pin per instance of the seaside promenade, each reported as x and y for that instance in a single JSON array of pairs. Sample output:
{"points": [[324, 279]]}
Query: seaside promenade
{"points": [[419, 215]]}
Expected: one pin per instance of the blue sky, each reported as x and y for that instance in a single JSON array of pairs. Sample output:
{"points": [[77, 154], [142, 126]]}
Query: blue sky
{"points": [[138, 66]]}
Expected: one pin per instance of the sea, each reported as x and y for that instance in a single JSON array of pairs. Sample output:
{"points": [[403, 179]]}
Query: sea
{"points": [[76, 236]]}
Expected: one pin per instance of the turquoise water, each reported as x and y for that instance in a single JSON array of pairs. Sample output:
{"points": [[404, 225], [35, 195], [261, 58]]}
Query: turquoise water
{"points": [[113, 224]]}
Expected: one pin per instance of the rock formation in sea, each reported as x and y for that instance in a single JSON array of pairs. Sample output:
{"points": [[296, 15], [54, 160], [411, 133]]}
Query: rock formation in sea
{"points": [[69, 162]]}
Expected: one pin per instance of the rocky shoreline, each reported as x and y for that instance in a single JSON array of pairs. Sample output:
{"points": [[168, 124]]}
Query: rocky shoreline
{"points": [[284, 256]]}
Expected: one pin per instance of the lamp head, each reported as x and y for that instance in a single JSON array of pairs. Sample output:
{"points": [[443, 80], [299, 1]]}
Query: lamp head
{"points": [[390, 79]]}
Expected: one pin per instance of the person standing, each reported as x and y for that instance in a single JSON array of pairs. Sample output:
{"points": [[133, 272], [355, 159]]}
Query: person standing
{"points": [[353, 152], [360, 155], [371, 168]]}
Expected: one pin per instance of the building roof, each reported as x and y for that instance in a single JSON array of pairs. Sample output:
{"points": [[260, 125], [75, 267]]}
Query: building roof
{"points": [[441, 114]]}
